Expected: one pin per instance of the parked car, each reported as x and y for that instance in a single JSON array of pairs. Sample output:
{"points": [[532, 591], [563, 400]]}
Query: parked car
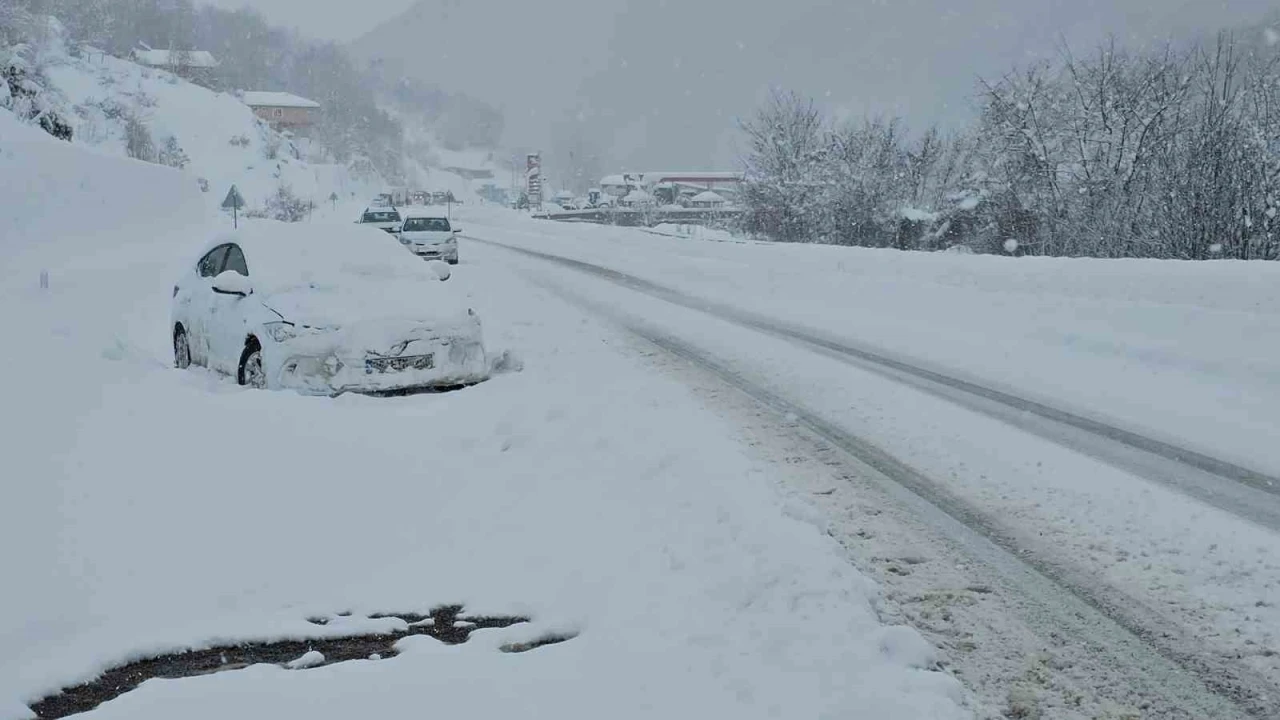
{"points": [[431, 236], [322, 310], [386, 219]]}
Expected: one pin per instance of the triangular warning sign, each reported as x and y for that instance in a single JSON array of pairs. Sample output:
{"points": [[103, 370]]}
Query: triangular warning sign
{"points": [[234, 200]]}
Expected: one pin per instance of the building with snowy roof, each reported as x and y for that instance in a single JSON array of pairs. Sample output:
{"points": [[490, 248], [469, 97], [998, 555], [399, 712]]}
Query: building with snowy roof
{"points": [[194, 65], [281, 109]]}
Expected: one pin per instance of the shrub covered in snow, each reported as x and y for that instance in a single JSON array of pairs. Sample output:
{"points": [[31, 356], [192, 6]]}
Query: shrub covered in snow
{"points": [[171, 154], [283, 205], [24, 90], [137, 140]]}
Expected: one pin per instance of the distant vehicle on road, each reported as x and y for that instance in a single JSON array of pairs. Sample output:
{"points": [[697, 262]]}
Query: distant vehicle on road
{"points": [[386, 219], [318, 311], [431, 236]]}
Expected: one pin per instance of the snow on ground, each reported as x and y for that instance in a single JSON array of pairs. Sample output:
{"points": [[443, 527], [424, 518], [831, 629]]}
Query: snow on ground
{"points": [[1040, 326], [155, 509], [696, 232]]}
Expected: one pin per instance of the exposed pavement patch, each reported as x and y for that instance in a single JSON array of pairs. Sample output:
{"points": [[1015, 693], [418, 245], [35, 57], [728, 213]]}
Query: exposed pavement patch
{"points": [[445, 623]]}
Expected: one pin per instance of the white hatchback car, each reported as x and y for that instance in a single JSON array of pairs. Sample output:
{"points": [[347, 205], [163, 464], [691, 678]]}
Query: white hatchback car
{"points": [[323, 310], [430, 236]]}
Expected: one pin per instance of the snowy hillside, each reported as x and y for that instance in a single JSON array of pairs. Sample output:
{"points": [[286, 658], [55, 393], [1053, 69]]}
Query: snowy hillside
{"points": [[125, 109]]}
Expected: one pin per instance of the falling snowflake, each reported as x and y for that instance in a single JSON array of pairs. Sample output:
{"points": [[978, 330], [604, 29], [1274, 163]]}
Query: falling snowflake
{"points": [[1011, 246]]}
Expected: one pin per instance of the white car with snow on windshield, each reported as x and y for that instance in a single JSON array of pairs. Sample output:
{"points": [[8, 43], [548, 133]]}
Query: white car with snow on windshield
{"points": [[430, 236], [323, 310]]}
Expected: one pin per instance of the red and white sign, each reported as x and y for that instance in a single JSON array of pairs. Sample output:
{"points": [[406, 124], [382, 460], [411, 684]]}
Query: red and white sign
{"points": [[533, 178]]}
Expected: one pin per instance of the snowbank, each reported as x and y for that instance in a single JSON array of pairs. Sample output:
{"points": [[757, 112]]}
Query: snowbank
{"points": [[64, 202]]}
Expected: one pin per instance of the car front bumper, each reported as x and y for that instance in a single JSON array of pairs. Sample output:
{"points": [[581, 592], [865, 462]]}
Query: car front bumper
{"points": [[438, 360], [443, 251]]}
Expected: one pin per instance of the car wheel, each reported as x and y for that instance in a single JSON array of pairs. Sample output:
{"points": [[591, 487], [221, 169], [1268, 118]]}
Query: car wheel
{"points": [[251, 373], [452, 261], [181, 349]]}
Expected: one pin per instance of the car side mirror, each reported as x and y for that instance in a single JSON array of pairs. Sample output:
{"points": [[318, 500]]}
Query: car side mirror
{"points": [[457, 231], [230, 282]]}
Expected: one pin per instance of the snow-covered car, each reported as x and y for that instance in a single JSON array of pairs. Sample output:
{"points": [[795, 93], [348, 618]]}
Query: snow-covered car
{"points": [[386, 219], [430, 236], [323, 310]]}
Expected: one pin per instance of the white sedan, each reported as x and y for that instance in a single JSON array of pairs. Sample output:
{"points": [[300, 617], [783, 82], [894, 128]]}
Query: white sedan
{"points": [[323, 310], [430, 236]]}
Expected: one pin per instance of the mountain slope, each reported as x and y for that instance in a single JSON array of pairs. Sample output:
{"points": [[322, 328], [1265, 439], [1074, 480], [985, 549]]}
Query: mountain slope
{"points": [[212, 139]]}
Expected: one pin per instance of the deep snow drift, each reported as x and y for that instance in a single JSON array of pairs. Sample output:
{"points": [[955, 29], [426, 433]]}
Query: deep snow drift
{"points": [[150, 509]]}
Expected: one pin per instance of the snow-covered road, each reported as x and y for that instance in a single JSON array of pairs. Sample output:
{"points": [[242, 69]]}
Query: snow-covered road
{"points": [[1111, 523]]}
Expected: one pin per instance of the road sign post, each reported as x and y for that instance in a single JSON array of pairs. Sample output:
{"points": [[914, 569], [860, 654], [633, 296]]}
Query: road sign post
{"points": [[234, 201]]}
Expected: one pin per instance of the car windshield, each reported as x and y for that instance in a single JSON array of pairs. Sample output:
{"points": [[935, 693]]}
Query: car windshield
{"points": [[376, 216], [426, 225]]}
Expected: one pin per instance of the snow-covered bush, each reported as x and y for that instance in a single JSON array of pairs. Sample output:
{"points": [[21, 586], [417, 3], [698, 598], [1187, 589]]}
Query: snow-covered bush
{"points": [[25, 93], [283, 206], [137, 140], [171, 154]]}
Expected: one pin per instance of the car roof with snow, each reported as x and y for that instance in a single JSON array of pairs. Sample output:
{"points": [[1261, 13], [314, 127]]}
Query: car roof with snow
{"points": [[281, 256]]}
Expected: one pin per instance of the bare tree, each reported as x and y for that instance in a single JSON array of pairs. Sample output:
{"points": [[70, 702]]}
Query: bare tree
{"points": [[786, 141]]}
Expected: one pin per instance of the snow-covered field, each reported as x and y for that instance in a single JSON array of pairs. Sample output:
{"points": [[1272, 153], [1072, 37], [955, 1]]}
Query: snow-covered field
{"points": [[149, 509]]}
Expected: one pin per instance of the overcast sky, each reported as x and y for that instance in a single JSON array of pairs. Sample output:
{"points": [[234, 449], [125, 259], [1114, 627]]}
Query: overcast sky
{"points": [[341, 20], [658, 82]]}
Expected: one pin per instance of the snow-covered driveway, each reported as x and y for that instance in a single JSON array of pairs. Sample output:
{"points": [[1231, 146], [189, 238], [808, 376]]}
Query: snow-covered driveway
{"points": [[149, 510]]}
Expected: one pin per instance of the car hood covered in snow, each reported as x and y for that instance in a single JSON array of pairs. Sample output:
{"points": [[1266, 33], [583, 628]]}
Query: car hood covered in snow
{"points": [[338, 306]]}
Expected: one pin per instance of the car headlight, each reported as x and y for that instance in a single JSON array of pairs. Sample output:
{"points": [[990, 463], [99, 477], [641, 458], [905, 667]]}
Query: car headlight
{"points": [[281, 331]]}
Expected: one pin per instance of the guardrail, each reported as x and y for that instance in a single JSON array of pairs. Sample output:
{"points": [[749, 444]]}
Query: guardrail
{"points": [[644, 217]]}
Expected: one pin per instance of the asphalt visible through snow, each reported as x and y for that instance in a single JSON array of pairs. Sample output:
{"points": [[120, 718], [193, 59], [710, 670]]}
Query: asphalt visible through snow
{"points": [[1136, 655]]}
